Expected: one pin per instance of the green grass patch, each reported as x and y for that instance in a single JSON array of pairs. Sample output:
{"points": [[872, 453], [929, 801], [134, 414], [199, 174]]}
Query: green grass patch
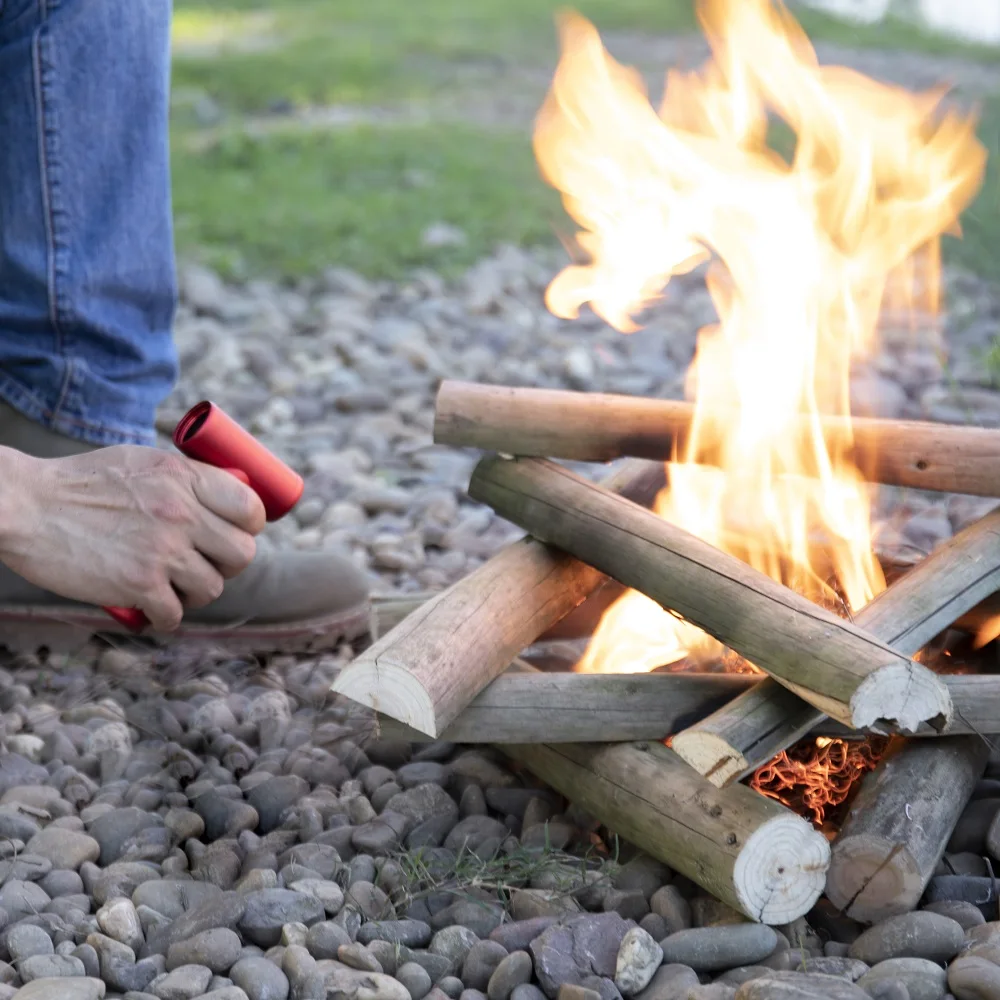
{"points": [[359, 197], [336, 51]]}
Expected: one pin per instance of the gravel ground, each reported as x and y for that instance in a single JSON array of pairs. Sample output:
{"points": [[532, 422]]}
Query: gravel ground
{"points": [[181, 823]]}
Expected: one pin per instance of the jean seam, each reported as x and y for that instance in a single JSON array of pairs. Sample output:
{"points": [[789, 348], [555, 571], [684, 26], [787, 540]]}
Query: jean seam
{"points": [[47, 167]]}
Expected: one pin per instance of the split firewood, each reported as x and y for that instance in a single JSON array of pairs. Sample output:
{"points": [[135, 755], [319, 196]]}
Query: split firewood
{"points": [[830, 662], [747, 850], [537, 707], [760, 723], [550, 423], [440, 656], [898, 826]]}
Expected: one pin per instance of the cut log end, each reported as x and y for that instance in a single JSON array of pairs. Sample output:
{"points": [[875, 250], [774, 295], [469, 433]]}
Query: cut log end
{"points": [[781, 870], [872, 878], [710, 755], [391, 689], [902, 693]]}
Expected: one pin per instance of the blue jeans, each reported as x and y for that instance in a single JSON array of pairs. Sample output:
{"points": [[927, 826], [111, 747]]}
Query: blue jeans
{"points": [[87, 276]]}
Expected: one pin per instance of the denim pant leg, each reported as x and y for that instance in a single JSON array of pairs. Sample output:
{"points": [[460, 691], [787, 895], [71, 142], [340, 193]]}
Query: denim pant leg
{"points": [[87, 276]]}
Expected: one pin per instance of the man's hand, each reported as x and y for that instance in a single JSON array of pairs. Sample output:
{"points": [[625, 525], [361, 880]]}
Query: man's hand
{"points": [[127, 527]]}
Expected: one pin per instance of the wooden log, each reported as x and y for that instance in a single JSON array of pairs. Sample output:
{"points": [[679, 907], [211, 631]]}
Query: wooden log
{"points": [[751, 729], [541, 707], [440, 656], [837, 667], [899, 824], [747, 850], [598, 428]]}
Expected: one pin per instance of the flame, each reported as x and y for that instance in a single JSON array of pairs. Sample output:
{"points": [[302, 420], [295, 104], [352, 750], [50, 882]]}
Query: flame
{"points": [[816, 776], [801, 254]]}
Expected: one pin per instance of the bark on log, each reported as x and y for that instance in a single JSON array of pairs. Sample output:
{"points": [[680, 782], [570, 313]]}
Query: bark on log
{"points": [[957, 576], [899, 825], [747, 850], [440, 656], [541, 707], [598, 428], [837, 667]]}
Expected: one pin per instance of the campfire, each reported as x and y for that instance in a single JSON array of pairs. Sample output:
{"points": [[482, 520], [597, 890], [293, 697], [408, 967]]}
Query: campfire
{"points": [[741, 524]]}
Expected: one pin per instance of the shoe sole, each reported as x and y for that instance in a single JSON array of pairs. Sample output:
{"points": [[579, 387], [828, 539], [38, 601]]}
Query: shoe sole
{"points": [[27, 628]]}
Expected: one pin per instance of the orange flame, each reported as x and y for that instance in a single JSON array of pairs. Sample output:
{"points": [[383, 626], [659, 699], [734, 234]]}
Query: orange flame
{"points": [[802, 254]]}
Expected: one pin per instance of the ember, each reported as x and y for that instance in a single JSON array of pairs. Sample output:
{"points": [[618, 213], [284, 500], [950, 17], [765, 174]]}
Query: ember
{"points": [[816, 776]]}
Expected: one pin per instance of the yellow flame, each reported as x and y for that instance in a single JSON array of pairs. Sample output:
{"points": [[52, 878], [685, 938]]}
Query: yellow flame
{"points": [[801, 253]]}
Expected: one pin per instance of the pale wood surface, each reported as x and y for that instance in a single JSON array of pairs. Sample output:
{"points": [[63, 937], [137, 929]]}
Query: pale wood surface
{"points": [[957, 576], [569, 708], [899, 825], [594, 427], [441, 655], [837, 667], [747, 850]]}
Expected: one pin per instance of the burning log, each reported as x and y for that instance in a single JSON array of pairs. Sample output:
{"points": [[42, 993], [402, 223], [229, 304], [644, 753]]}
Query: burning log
{"points": [[837, 667], [549, 423], [536, 707], [440, 656], [899, 824], [957, 576], [748, 850]]}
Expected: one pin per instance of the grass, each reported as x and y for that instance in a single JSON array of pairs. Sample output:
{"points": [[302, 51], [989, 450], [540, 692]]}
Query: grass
{"points": [[291, 202]]}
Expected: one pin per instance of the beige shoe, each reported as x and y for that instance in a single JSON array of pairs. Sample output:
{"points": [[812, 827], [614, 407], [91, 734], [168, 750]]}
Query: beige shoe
{"points": [[289, 601]]}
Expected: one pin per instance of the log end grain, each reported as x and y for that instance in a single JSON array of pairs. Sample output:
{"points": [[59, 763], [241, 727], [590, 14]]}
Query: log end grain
{"points": [[902, 692], [710, 755], [781, 871], [389, 688], [872, 878]]}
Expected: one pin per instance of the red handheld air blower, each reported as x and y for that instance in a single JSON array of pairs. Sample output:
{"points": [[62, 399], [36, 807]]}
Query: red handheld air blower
{"points": [[207, 434]]}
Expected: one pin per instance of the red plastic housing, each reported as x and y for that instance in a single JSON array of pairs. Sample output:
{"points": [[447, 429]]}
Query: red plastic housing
{"points": [[208, 434]]}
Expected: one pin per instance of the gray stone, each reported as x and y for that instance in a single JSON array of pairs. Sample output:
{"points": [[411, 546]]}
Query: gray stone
{"points": [[846, 968], [350, 984], [517, 935], [514, 970], [50, 967], [481, 962], [416, 980], [800, 986], [113, 829], [583, 946], [183, 983], [453, 943], [62, 989], [715, 949], [223, 909], [273, 797], [925, 980], [910, 935], [119, 920], [412, 933], [668, 903], [357, 956], [328, 894], [966, 915], [369, 900], [217, 949], [324, 939], [973, 978], [670, 982], [64, 848], [260, 979], [639, 956], [423, 802], [269, 909], [22, 899], [25, 940], [527, 991]]}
